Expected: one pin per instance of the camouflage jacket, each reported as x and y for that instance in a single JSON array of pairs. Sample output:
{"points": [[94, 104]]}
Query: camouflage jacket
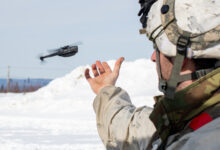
{"points": [[122, 126]]}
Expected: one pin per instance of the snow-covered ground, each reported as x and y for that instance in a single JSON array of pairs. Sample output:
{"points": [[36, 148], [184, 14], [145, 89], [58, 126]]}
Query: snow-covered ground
{"points": [[60, 116]]}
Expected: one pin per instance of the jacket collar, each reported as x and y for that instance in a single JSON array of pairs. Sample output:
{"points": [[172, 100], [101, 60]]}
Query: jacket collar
{"points": [[170, 116]]}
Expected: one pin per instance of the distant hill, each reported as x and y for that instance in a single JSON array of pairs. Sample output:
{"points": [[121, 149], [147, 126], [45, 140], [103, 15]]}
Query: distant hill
{"points": [[23, 85]]}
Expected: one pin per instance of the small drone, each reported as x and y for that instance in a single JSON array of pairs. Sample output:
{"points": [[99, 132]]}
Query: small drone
{"points": [[65, 51]]}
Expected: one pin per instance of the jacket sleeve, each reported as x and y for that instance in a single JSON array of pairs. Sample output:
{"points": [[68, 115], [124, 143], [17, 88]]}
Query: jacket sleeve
{"points": [[120, 124]]}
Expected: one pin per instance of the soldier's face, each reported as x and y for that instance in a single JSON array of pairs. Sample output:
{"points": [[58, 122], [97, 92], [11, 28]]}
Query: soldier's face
{"points": [[165, 64]]}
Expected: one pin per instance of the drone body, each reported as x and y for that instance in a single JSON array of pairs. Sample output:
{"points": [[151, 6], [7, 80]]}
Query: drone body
{"points": [[65, 51]]}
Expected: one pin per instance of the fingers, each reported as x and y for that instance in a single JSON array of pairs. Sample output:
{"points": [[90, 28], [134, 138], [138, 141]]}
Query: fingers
{"points": [[103, 67], [87, 75], [118, 65], [106, 67], [94, 70], [100, 67]]}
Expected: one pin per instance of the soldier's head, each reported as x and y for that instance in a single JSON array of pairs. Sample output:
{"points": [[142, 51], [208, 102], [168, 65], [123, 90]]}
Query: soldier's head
{"points": [[186, 37]]}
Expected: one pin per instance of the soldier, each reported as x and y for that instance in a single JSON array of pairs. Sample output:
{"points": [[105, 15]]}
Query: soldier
{"points": [[186, 37]]}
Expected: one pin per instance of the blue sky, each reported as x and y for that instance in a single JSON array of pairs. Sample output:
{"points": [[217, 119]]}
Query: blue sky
{"points": [[28, 28]]}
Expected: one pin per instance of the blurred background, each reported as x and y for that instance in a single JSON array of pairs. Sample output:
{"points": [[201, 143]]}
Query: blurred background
{"points": [[29, 28], [60, 116]]}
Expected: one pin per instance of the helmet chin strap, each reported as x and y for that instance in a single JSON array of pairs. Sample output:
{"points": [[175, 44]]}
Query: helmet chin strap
{"points": [[168, 87]]}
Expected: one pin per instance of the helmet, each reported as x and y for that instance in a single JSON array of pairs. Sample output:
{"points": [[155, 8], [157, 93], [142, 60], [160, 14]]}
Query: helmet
{"points": [[184, 29]]}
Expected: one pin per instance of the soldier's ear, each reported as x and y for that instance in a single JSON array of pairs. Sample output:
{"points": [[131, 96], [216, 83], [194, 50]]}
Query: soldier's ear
{"points": [[185, 61], [188, 64]]}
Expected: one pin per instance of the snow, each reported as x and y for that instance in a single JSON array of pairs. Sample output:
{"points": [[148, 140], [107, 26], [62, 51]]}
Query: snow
{"points": [[60, 116]]}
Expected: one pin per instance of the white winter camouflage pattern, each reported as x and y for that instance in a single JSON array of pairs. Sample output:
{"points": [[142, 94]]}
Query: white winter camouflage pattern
{"points": [[198, 19], [122, 126]]}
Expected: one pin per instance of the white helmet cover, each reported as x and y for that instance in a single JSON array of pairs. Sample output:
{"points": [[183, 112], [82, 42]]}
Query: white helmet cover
{"points": [[196, 17]]}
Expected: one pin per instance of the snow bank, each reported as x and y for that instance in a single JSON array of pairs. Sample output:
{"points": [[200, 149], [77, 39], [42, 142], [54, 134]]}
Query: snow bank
{"points": [[60, 116]]}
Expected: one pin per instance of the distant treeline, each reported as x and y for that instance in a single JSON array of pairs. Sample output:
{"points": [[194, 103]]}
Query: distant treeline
{"points": [[22, 85]]}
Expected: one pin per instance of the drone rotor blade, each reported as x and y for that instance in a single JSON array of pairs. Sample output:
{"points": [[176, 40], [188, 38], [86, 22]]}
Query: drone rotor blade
{"points": [[53, 50], [76, 43]]}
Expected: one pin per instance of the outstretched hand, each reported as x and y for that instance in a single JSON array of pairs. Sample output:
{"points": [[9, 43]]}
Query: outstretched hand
{"points": [[103, 75]]}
